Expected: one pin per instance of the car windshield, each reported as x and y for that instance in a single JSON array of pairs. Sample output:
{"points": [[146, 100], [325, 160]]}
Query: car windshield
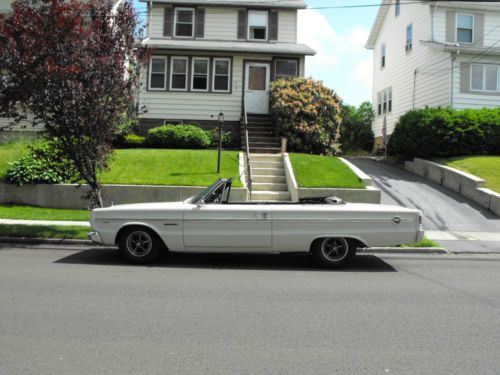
{"points": [[202, 193]]}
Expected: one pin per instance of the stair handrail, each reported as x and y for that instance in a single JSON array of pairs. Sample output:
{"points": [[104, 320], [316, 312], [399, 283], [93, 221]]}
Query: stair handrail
{"points": [[247, 149]]}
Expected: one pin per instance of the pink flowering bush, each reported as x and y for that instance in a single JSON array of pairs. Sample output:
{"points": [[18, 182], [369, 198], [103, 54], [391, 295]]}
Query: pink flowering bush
{"points": [[307, 114]]}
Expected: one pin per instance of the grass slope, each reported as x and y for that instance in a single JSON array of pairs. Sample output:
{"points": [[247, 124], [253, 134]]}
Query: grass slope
{"points": [[314, 171], [10, 152], [170, 167], [42, 231], [485, 167], [38, 213]]}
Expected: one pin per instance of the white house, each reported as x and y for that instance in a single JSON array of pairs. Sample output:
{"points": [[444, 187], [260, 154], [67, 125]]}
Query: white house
{"points": [[211, 56], [433, 53]]}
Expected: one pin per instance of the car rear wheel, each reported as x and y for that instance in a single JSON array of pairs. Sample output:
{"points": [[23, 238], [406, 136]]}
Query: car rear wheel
{"points": [[333, 251], [139, 245]]}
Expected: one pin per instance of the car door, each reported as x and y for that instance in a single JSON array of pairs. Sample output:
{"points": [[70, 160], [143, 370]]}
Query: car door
{"points": [[227, 226]]}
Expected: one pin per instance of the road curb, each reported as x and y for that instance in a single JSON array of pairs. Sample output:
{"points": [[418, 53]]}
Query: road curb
{"points": [[403, 250], [42, 241]]}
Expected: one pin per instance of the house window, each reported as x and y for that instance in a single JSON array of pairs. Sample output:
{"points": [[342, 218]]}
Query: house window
{"points": [[409, 37], [199, 71], [465, 28], [178, 73], [284, 68], [389, 99], [485, 77], [184, 22], [221, 75], [384, 101], [158, 73], [398, 8], [257, 24], [383, 55], [379, 103]]}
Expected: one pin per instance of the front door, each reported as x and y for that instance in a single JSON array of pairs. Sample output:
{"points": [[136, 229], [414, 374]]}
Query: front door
{"points": [[257, 80]]}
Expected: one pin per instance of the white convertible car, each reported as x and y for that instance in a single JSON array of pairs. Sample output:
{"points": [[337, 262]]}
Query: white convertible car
{"points": [[328, 228]]}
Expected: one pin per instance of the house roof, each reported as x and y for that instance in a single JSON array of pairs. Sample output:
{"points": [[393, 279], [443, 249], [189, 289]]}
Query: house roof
{"points": [[227, 46], [385, 5], [377, 25], [296, 4]]}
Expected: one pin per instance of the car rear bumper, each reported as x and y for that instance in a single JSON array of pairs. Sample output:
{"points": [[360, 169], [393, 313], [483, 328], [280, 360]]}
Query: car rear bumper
{"points": [[94, 237]]}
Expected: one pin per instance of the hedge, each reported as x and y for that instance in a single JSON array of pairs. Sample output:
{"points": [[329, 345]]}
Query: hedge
{"points": [[444, 132]]}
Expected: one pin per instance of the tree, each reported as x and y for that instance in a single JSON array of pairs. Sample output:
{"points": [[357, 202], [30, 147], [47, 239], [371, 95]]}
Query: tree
{"points": [[356, 129], [73, 66], [307, 114]]}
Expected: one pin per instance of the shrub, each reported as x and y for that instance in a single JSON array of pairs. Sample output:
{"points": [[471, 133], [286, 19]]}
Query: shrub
{"points": [[307, 114], [228, 140], [178, 136], [134, 141], [438, 132], [127, 126], [43, 164], [356, 130]]}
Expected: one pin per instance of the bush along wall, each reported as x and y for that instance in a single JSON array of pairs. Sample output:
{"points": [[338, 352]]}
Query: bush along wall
{"points": [[444, 132]]}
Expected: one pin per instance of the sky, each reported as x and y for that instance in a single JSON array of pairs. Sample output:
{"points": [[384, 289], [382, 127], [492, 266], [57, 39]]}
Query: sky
{"points": [[339, 37]]}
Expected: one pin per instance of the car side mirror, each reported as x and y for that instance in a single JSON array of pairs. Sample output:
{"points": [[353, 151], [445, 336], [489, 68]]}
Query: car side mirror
{"points": [[201, 203]]}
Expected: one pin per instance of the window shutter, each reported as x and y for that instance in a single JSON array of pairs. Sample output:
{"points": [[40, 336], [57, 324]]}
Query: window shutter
{"points": [[451, 26], [465, 77], [478, 29], [200, 23], [168, 22], [242, 24], [273, 25]]}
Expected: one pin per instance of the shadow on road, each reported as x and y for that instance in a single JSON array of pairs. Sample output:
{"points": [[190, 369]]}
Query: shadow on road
{"points": [[273, 262]]}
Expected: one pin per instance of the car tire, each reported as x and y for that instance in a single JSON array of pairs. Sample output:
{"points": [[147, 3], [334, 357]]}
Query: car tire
{"points": [[139, 245], [333, 251]]}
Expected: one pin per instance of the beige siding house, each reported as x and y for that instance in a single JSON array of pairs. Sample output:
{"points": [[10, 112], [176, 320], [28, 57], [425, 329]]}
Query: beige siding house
{"points": [[433, 53], [211, 56]]}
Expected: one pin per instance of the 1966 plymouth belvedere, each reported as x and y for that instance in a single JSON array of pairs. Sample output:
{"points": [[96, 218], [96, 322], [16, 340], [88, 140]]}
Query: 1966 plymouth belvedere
{"points": [[328, 228]]}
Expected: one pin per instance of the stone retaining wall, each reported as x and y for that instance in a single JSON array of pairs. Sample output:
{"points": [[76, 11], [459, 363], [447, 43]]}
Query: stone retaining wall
{"points": [[72, 196], [465, 184]]}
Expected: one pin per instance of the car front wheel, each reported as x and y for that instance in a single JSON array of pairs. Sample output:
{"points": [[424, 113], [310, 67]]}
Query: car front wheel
{"points": [[139, 245], [333, 251]]}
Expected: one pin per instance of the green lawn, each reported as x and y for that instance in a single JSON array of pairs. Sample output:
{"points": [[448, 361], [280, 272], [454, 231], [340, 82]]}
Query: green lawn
{"points": [[170, 167], [313, 171], [152, 166], [485, 167], [41, 231], [10, 152], [38, 213]]}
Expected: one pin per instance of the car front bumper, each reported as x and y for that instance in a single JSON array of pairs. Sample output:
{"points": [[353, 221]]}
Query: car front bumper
{"points": [[94, 237]]}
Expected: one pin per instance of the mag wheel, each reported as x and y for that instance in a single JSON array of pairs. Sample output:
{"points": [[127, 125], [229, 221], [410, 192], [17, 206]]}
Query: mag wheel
{"points": [[333, 251], [139, 245]]}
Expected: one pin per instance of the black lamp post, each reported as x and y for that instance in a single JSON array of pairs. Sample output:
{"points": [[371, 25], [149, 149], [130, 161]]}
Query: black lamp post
{"points": [[221, 124]]}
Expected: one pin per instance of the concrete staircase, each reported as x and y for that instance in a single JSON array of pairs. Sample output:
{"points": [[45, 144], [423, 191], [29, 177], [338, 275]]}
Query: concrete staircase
{"points": [[269, 181], [261, 135]]}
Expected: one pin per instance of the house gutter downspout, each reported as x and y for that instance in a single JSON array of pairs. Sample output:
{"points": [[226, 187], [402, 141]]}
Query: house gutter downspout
{"points": [[453, 59]]}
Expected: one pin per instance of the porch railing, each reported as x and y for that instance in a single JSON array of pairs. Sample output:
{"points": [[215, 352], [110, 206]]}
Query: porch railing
{"points": [[247, 149]]}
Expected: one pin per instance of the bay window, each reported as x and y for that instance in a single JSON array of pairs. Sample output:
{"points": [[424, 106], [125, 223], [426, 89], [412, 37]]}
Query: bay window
{"points": [[199, 75], [178, 73], [221, 75], [158, 73]]}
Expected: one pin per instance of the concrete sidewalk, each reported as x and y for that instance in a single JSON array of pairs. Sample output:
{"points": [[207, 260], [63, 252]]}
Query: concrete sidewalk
{"points": [[45, 223]]}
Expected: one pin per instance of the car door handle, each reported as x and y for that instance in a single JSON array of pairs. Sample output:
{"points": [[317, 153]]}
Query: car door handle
{"points": [[262, 215]]}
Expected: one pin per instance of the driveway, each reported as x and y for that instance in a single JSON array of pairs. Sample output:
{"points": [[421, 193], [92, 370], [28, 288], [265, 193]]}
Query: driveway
{"points": [[444, 210]]}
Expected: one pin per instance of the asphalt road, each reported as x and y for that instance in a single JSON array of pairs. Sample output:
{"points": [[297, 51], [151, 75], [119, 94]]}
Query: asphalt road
{"points": [[81, 311], [443, 209]]}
